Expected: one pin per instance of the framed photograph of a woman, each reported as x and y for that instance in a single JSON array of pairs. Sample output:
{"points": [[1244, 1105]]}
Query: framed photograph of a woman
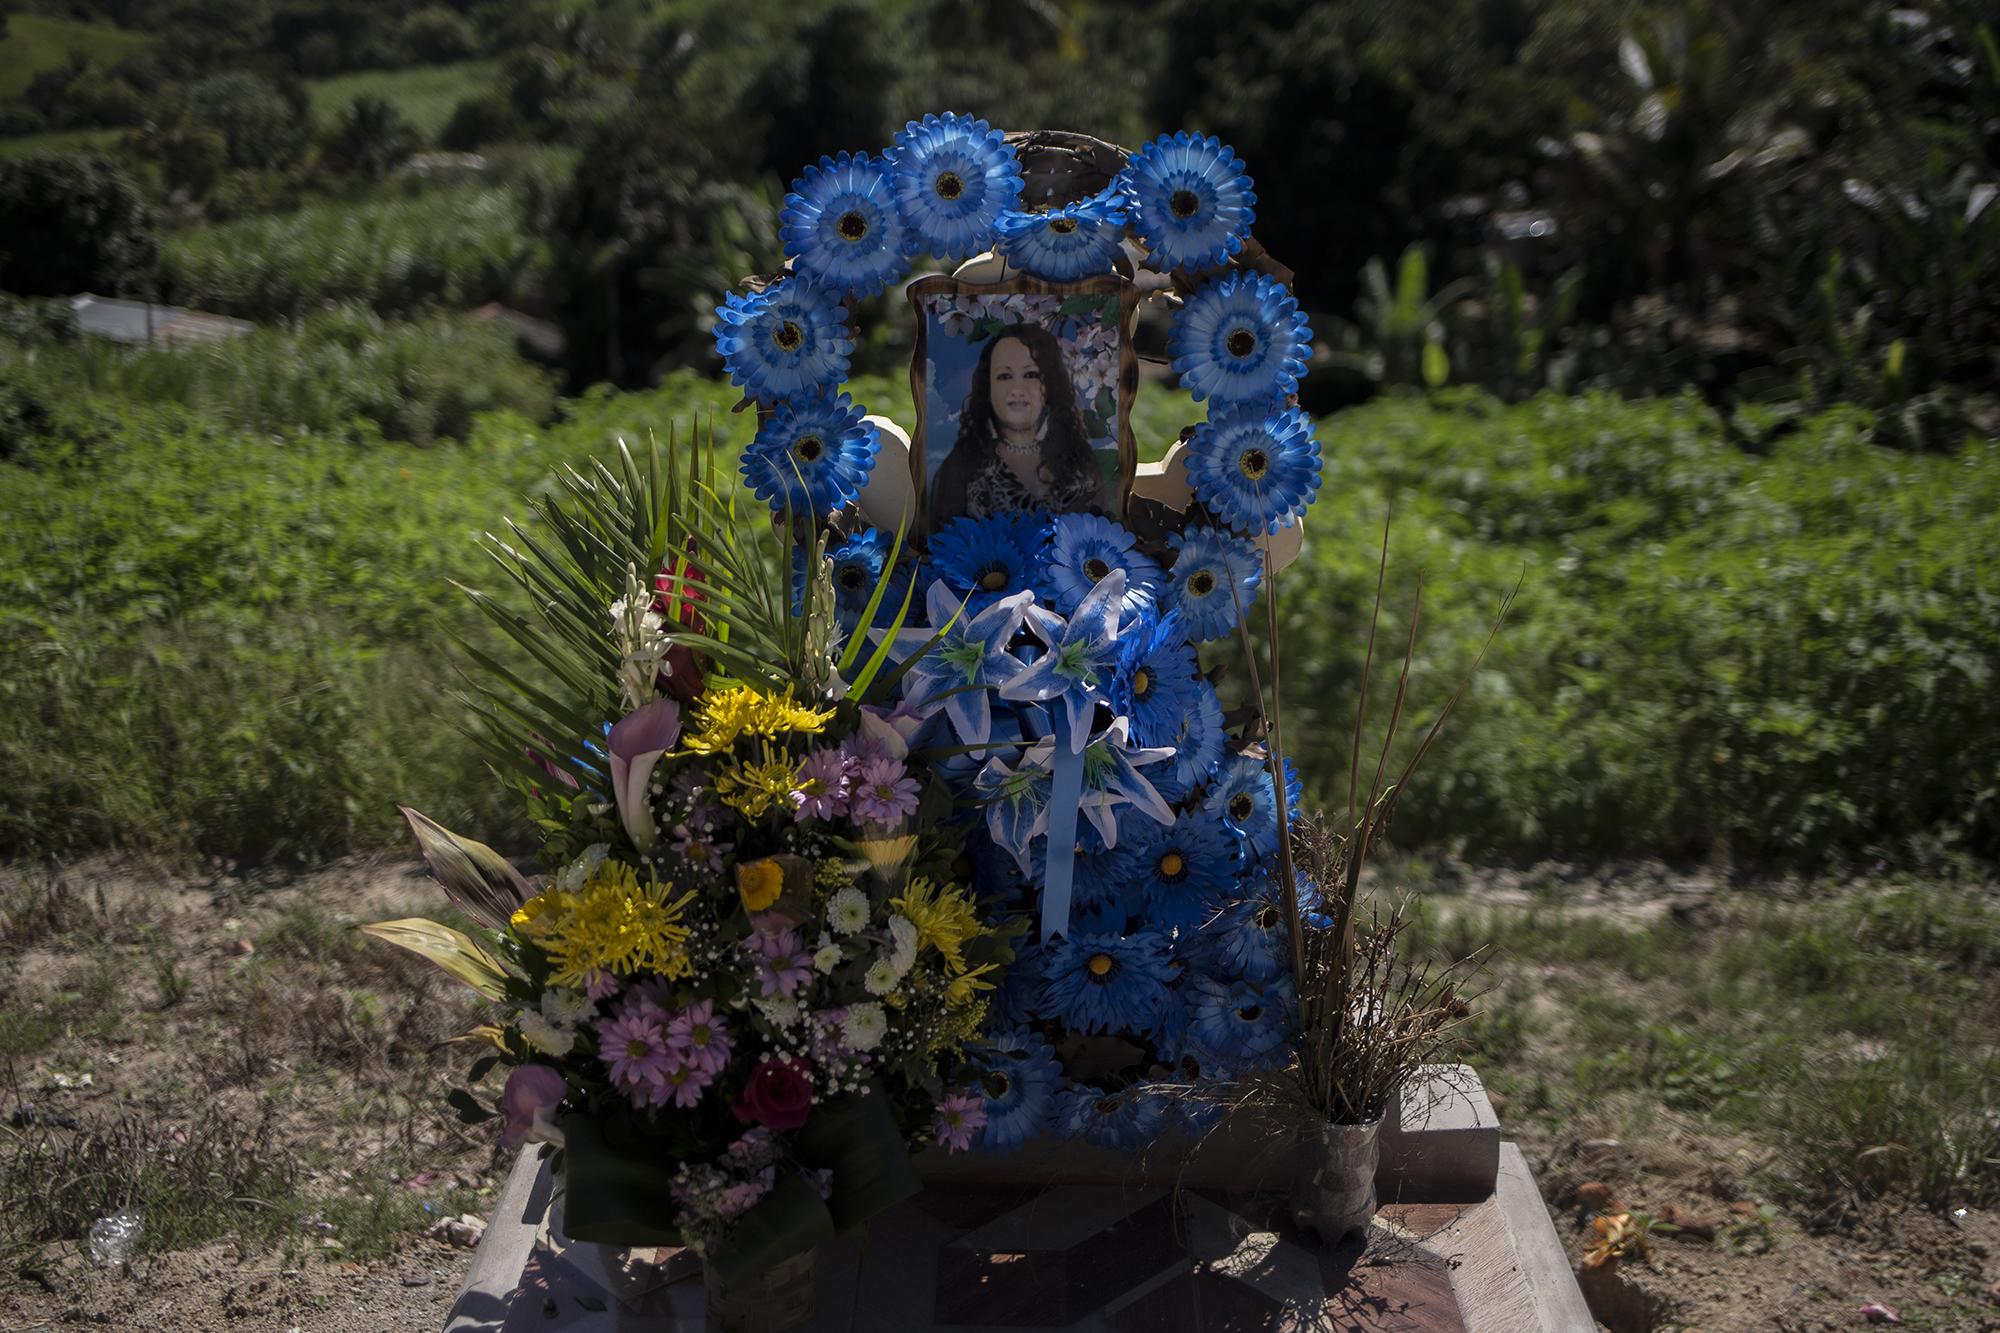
{"points": [[1024, 394]]}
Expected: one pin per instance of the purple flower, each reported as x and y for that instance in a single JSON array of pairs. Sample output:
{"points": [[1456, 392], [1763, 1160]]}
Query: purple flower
{"points": [[683, 1085], [820, 790], [958, 1117], [532, 1094], [599, 985], [782, 966], [702, 1035], [697, 846], [634, 1045], [636, 743], [885, 792]]}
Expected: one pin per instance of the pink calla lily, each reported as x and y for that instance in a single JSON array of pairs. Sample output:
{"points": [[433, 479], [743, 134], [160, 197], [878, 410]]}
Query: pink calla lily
{"points": [[637, 743]]}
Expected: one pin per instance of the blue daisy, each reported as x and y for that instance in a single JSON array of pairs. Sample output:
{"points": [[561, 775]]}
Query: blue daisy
{"points": [[1247, 804], [1086, 547], [1198, 740], [1248, 940], [954, 177], [1065, 244], [1240, 339], [1246, 1023], [1256, 470], [1098, 887], [987, 559], [787, 339], [1214, 572], [1191, 202], [858, 563], [841, 227], [1181, 868], [1019, 1078], [1155, 681], [812, 456], [1105, 983], [1125, 1121]]}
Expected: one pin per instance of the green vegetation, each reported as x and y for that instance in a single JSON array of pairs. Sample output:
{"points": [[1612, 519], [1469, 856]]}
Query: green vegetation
{"points": [[57, 141], [425, 96], [34, 43]]}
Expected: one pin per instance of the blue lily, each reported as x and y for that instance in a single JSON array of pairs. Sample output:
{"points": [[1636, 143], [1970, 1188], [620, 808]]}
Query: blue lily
{"points": [[968, 661], [1082, 655], [1017, 805]]}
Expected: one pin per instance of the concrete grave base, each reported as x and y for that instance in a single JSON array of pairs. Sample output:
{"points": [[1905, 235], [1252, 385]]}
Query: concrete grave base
{"points": [[1181, 1237]]}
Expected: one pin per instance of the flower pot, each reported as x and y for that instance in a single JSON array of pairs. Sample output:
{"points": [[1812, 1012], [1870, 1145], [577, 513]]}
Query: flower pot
{"points": [[1333, 1181], [778, 1298]]}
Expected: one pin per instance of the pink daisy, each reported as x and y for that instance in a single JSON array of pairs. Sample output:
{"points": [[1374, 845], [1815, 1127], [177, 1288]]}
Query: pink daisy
{"points": [[885, 792], [821, 787], [635, 1048], [703, 1036], [959, 1116]]}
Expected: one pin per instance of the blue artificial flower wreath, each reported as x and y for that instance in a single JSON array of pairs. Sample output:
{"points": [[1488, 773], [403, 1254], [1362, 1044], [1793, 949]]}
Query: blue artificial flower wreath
{"points": [[1086, 547], [1181, 868], [1198, 741], [986, 559], [954, 177], [1191, 202], [1108, 983], [813, 456], [841, 227], [1255, 469], [1240, 339], [1124, 1121], [1214, 572], [787, 339], [1019, 1078], [1065, 244]]}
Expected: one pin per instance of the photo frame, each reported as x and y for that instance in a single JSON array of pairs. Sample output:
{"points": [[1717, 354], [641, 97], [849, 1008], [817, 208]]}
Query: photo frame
{"points": [[1010, 418]]}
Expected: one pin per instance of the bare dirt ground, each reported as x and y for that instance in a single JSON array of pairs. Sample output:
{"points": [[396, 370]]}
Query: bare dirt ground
{"points": [[174, 998]]}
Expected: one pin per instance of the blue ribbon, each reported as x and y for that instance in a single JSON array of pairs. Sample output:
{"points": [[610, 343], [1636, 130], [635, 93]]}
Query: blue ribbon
{"points": [[1065, 799]]}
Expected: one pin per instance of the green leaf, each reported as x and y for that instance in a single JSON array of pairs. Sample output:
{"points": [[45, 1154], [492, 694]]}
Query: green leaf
{"points": [[450, 949], [471, 1110], [1437, 366], [856, 1138], [616, 1192], [482, 882]]}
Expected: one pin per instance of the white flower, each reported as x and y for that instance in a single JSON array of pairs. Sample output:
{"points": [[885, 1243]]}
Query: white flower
{"points": [[904, 932], [566, 1008], [546, 1037], [847, 911], [826, 958], [881, 977], [571, 877], [779, 1010], [864, 1027]]}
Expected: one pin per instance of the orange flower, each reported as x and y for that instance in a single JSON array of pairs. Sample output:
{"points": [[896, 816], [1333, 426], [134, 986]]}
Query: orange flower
{"points": [[759, 883]]}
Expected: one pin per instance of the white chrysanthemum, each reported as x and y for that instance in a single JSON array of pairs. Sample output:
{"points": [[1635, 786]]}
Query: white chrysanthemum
{"points": [[864, 1027], [779, 1011], [571, 877], [881, 977], [904, 932], [544, 1036], [566, 1008], [847, 911], [826, 958]]}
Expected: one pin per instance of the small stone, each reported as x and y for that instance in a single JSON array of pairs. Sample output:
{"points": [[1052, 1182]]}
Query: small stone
{"points": [[1594, 1196], [1599, 1145], [416, 1279], [1743, 1208], [1878, 1313], [242, 947]]}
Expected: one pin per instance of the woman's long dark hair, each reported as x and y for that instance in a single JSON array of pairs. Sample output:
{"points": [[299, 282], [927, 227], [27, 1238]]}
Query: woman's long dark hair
{"points": [[1065, 448]]}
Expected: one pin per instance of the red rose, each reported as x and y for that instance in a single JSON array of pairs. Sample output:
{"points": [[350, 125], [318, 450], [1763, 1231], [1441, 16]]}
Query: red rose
{"points": [[778, 1094]]}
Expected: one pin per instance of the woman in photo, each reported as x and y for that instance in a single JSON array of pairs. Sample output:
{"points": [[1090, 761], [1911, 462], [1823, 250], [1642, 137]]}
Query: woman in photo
{"points": [[1021, 444]]}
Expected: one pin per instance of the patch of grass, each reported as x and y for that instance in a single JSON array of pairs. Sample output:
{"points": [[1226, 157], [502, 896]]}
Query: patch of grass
{"points": [[424, 95], [88, 1003], [35, 43], [58, 141]]}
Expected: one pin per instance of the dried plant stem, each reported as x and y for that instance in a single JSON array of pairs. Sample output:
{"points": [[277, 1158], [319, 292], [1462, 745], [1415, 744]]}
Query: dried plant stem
{"points": [[1276, 759]]}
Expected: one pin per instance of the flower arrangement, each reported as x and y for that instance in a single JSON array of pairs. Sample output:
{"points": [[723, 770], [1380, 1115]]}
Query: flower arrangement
{"points": [[747, 990]]}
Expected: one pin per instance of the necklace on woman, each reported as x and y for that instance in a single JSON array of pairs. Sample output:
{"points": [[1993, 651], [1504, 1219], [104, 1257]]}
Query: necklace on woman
{"points": [[1020, 450]]}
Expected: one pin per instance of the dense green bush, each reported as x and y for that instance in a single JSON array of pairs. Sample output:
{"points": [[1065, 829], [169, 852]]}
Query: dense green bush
{"points": [[1783, 658], [72, 222], [457, 246], [341, 372]]}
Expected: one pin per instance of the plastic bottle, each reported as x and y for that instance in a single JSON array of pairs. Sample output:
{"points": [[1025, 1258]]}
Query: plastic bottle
{"points": [[112, 1238]]}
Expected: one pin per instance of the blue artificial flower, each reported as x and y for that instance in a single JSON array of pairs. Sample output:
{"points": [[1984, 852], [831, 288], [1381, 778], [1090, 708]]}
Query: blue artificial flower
{"points": [[1086, 547], [1077, 666], [1017, 804], [841, 227], [1124, 1121], [1109, 983], [954, 177], [1181, 868], [858, 563], [1256, 470], [1241, 339], [1065, 244], [989, 558], [1099, 888], [812, 456], [1198, 740], [1214, 573], [1155, 682], [1246, 1023], [1248, 940], [1019, 1078], [969, 659], [787, 339], [1191, 202], [1247, 804]]}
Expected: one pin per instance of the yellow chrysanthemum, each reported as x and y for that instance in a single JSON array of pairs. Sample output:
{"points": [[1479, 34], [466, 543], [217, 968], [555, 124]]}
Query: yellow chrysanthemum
{"points": [[612, 924], [757, 788], [722, 717], [944, 919], [759, 883], [965, 987]]}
